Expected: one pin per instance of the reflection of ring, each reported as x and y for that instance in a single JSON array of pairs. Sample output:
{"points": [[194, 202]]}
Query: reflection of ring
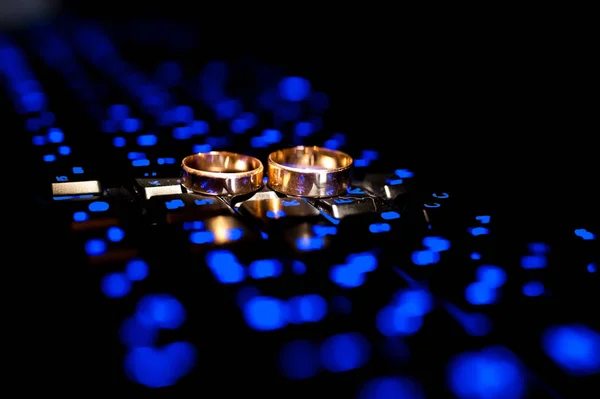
{"points": [[222, 173], [309, 171]]}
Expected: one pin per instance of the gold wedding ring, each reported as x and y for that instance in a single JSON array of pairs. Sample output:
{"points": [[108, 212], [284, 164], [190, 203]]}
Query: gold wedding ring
{"points": [[222, 173], [309, 172]]}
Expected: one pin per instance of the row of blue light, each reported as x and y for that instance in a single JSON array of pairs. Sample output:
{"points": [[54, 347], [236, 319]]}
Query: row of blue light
{"points": [[29, 98], [145, 363]]}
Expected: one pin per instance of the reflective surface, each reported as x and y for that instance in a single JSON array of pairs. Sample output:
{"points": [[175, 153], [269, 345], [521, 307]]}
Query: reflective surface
{"points": [[309, 171], [222, 173]]}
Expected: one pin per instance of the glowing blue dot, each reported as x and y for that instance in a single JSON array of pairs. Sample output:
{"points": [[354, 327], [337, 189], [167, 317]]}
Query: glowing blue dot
{"points": [[436, 243], [591, 268], [344, 352], [80, 217], [427, 257], [475, 256], [115, 285], [533, 262], [533, 288], [136, 270], [198, 148], [64, 150], [264, 313], [480, 294], [119, 142], [574, 348], [98, 206], [38, 140], [56, 135], [131, 125], [115, 234], [491, 275], [147, 140], [272, 136], [49, 158], [95, 247], [160, 311], [304, 129], [294, 88], [490, 373]]}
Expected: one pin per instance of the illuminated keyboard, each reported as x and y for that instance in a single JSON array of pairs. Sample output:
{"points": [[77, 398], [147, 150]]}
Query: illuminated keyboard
{"points": [[405, 287]]}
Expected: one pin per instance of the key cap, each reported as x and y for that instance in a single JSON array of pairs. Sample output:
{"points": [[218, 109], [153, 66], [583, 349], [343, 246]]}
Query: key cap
{"points": [[177, 208], [92, 214], [357, 201], [388, 186], [72, 181], [222, 230], [149, 187], [274, 213]]}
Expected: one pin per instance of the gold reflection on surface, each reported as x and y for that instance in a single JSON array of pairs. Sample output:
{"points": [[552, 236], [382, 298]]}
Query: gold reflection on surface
{"points": [[221, 162]]}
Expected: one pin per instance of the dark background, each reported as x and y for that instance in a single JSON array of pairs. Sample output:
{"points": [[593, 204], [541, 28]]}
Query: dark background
{"points": [[504, 105]]}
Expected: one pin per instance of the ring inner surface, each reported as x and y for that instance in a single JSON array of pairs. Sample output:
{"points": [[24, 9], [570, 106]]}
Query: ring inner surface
{"points": [[222, 163], [311, 158]]}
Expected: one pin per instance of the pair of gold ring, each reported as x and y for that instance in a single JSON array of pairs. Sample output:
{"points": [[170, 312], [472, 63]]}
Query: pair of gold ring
{"points": [[299, 171]]}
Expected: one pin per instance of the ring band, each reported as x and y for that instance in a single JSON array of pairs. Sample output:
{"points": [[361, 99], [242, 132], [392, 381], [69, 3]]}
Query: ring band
{"points": [[221, 173], [309, 172]]}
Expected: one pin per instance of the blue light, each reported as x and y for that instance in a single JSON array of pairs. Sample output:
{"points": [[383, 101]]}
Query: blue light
{"points": [[115, 285], [394, 321], [115, 234], [118, 112], [159, 368], [147, 140], [64, 150], [80, 216], [198, 148], [294, 88], [345, 352], [299, 360], [479, 293], [271, 136], [574, 348], [310, 243], [49, 158], [307, 309], [298, 267], [584, 234], [362, 262], [56, 135], [391, 388], [346, 277], [95, 247], [131, 125], [591, 268], [98, 206], [199, 127], [265, 268], [136, 270], [476, 256], [533, 288], [264, 313], [437, 244], [390, 215], [478, 231], [414, 302], [304, 129], [140, 162], [225, 266], [492, 276], [488, 374], [160, 311], [423, 258], [38, 140], [533, 262]]}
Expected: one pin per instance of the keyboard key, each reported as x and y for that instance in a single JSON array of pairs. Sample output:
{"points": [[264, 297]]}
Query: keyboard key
{"points": [[219, 231], [72, 181], [177, 208], [388, 186], [149, 187], [357, 201], [273, 212]]}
